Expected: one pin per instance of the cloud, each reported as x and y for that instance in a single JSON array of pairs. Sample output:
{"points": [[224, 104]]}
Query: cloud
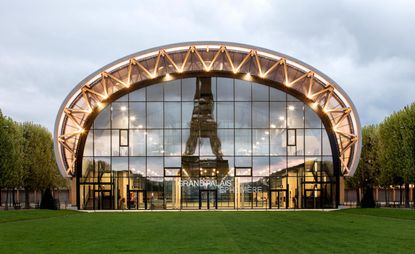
{"points": [[47, 47]]}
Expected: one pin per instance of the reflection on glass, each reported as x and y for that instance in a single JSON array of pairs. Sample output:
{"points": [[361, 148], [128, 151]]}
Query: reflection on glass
{"points": [[225, 114], [155, 115], [224, 89], [137, 115], [260, 92], [243, 115], [120, 115], [242, 90], [138, 166], [295, 115], [260, 114], [276, 144], [172, 115], [155, 92], [103, 119]]}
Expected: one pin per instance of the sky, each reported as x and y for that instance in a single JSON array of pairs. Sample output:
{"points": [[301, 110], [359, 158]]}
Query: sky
{"points": [[48, 47]]}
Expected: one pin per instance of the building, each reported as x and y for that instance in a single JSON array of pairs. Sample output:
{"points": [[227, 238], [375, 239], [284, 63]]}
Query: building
{"points": [[207, 125]]}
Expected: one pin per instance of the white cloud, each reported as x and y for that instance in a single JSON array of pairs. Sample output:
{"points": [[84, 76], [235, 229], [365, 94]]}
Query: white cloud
{"points": [[47, 47]]}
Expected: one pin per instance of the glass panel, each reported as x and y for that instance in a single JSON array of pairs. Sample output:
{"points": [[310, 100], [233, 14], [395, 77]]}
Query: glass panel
{"points": [[89, 144], [276, 95], [172, 171], [227, 139], [225, 114], [295, 164], [155, 197], [174, 162], [260, 114], [278, 141], [243, 115], [313, 142], [155, 143], [278, 166], [278, 114], [300, 142], [137, 115], [138, 95], [187, 111], [87, 166], [260, 190], [243, 142], [243, 162], [242, 90], [260, 142], [103, 119], [172, 192], [172, 91], [225, 89], [119, 164], [291, 98], [326, 143], [295, 115], [102, 141], [155, 92], [188, 89], [120, 115], [327, 168], [243, 171], [260, 92], [102, 166], [312, 120], [172, 142], [243, 192], [115, 143], [154, 115], [291, 137], [137, 143], [172, 115], [138, 166], [155, 166], [260, 166]]}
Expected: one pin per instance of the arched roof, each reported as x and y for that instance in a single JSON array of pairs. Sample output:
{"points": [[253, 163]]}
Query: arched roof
{"points": [[162, 63]]}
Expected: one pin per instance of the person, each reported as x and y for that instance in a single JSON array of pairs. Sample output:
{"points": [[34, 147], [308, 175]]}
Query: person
{"points": [[122, 203], [132, 201]]}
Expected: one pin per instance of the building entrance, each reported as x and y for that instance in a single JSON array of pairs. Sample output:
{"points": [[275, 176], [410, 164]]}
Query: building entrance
{"points": [[136, 199], [208, 199], [279, 199]]}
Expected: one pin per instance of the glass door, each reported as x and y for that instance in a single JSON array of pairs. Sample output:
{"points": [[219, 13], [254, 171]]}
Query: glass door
{"points": [[136, 200], [104, 199], [278, 199], [208, 199]]}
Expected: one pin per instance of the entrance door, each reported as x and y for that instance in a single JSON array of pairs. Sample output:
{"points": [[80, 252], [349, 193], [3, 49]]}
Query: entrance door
{"points": [[136, 199], [104, 199], [278, 199], [208, 199]]}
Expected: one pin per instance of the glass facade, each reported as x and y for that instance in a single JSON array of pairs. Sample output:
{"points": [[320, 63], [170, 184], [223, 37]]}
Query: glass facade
{"points": [[207, 143]]}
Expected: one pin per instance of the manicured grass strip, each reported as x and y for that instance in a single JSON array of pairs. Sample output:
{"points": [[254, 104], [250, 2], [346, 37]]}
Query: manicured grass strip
{"points": [[213, 232], [404, 214], [18, 215]]}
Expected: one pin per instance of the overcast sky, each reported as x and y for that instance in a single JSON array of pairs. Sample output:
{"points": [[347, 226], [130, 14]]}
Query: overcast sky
{"points": [[47, 47]]}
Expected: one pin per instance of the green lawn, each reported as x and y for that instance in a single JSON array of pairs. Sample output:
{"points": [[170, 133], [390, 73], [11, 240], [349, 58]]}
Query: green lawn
{"points": [[345, 231]]}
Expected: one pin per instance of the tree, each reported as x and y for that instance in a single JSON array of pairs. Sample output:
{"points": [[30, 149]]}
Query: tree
{"points": [[366, 175], [10, 156], [397, 156], [40, 169]]}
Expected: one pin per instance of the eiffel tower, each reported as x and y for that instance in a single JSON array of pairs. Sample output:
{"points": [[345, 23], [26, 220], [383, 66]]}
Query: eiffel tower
{"points": [[203, 125]]}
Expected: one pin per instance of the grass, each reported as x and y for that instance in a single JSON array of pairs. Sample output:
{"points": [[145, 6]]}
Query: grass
{"points": [[345, 231]]}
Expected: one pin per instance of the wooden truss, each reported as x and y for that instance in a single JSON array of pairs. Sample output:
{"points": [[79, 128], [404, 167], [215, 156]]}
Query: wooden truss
{"points": [[221, 58]]}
